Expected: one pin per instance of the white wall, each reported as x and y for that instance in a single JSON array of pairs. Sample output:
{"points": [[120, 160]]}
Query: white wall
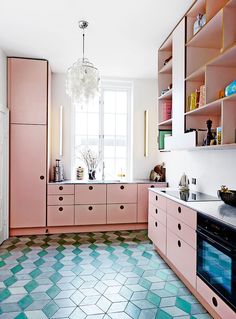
{"points": [[144, 98], [3, 83]]}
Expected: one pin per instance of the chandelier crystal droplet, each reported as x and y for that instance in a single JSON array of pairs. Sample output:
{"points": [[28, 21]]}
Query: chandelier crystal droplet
{"points": [[83, 79]]}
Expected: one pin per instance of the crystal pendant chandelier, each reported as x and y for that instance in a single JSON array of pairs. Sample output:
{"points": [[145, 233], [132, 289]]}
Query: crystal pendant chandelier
{"points": [[83, 80]]}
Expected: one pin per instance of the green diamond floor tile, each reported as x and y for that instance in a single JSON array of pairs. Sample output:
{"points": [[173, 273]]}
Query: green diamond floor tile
{"points": [[104, 275]]}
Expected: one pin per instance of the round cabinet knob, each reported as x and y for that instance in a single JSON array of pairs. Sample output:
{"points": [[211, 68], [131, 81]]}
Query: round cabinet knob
{"points": [[214, 301], [179, 209], [60, 188], [41, 177], [122, 207], [156, 210], [60, 198], [156, 197], [90, 208], [156, 224], [122, 187], [152, 186], [179, 226], [179, 243], [60, 209], [90, 188]]}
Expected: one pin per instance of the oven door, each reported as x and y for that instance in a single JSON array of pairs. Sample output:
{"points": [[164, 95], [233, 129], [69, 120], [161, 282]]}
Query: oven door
{"points": [[216, 266]]}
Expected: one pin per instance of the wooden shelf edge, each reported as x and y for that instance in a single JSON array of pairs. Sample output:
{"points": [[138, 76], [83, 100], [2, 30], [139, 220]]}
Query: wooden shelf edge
{"points": [[165, 95], [165, 122], [167, 68]]}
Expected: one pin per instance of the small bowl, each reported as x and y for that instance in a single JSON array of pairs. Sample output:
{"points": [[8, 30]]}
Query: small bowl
{"points": [[228, 198]]}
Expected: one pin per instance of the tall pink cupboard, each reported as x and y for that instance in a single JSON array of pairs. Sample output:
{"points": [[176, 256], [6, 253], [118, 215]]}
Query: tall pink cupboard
{"points": [[28, 104]]}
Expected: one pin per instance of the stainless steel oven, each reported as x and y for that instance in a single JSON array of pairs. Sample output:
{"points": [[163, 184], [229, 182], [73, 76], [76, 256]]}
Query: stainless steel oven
{"points": [[216, 257]]}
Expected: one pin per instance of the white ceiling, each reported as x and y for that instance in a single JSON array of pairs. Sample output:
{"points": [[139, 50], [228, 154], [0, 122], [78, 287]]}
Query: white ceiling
{"points": [[122, 38]]}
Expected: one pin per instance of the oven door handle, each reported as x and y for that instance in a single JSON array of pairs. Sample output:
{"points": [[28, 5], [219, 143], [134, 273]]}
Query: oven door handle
{"points": [[213, 241]]}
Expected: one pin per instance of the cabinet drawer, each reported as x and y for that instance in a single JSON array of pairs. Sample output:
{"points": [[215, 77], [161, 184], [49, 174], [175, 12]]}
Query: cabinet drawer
{"points": [[60, 199], [61, 189], [157, 233], [183, 213], [157, 213], [185, 232], [90, 214], [121, 193], [90, 194], [60, 215], [121, 213], [182, 256], [157, 200], [216, 303]]}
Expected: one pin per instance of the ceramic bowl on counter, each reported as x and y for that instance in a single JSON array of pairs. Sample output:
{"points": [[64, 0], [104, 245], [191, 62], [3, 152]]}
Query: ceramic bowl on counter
{"points": [[228, 197]]}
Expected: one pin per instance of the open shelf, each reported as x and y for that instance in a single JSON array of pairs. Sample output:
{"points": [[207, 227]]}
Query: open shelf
{"points": [[166, 96], [165, 123], [226, 58], [198, 75], [167, 69], [214, 147]]}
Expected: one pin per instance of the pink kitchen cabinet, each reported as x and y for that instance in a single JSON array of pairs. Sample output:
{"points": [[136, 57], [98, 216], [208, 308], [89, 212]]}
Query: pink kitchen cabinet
{"points": [[27, 90], [143, 202], [61, 199], [157, 233], [90, 214], [60, 189], [121, 193], [157, 200], [90, 194], [157, 213], [121, 213], [183, 213], [28, 176], [60, 215]]}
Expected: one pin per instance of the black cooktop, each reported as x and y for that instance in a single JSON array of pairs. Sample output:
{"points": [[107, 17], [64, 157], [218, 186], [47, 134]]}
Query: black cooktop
{"points": [[191, 196]]}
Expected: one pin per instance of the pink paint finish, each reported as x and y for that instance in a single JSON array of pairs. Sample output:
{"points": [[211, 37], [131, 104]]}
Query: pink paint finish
{"points": [[60, 216], [27, 91], [182, 213], [221, 309], [61, 199], [121, 193], [157, 213], [157, 233], [185, 232], [143, 202], [157, 200], [90, 194], [61, 189], [121, 213], [90, 214], [182, 256], [28, 166]]}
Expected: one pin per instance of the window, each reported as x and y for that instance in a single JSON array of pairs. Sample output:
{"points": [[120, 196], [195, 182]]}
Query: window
{"points": [[105, 127]]}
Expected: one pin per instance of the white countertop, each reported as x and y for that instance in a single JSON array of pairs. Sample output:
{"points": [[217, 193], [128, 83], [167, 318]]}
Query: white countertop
{"points": [[215, 209], [111, 181]]}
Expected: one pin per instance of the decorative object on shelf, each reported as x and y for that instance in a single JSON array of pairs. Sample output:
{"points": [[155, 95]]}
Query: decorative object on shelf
{"points": [[218, 135], [194, 102], [58, 171], [80, 173], [230, 89], [83, 80], [199, 23], [221, 94], [158, 174], [167, 110], [202, 95], [227, 195], [161, 138], [184, 183], [167, 60], [164, 91], [91, 159], [209, 135]]}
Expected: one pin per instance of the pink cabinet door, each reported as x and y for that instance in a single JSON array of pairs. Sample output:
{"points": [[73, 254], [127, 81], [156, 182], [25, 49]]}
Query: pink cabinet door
{"points": [[27, 90], [61, 199], [157, 213], [90, 194], [216, 303], [58, 189], [60, 216], [90, 214], [143, 202], [157, 200], [28, 176], [181, 212], [121, 213], [182, 256], [157, 233], [121, 193]]}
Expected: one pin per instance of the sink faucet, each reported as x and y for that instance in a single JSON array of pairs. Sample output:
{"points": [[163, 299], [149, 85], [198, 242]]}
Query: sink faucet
{"points": [[103, 170]]}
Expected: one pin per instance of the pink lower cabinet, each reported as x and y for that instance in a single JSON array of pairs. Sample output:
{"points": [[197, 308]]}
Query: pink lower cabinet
{"points": [[181, 212], [90, 214], [182, 256], [121, 193], [90, 194], [143, 202], [61, 199], [121, 213], [157, 200], [214, 301], [157, 233], [58, 189], [157, 213], [60, 215], [28, 176]]}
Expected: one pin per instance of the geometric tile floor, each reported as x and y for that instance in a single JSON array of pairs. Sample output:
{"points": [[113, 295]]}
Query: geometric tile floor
{"points": [[110, 275]]}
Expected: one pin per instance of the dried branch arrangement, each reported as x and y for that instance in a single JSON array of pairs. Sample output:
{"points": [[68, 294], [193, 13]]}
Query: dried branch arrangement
{"points": [[90, 158]]}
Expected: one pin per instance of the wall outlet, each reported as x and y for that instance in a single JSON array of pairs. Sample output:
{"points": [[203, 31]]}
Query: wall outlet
{"points": [[194, 181]]}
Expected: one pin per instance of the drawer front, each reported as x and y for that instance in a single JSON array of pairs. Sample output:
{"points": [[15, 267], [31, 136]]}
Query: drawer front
{"points": [[216, 303], [157, 233], [121, 193], [61, 199], [90, 194], [60, 216], [157, 213], [157, 200], [61, 189], [121, 213], [183, 213], [90, 214], [182, 256], [185, 232]]}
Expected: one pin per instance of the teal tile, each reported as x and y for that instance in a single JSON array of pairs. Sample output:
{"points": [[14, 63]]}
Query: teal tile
{"points": [[163, 315], [77, 251], [35, 273], [145, 283], [53, 291], [60, 248], [5, 255], [57, 266], [42, 253], [2, 263], [132, 310], [4, 294], [55, 277], [25, 302], [10, 281], [77, 259], [50, 309], [153, 298], [183, 305], [39, 262], [30, 286], [147, 255], [171, 288], [21, 316], [22, 259], [16, 269]]}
